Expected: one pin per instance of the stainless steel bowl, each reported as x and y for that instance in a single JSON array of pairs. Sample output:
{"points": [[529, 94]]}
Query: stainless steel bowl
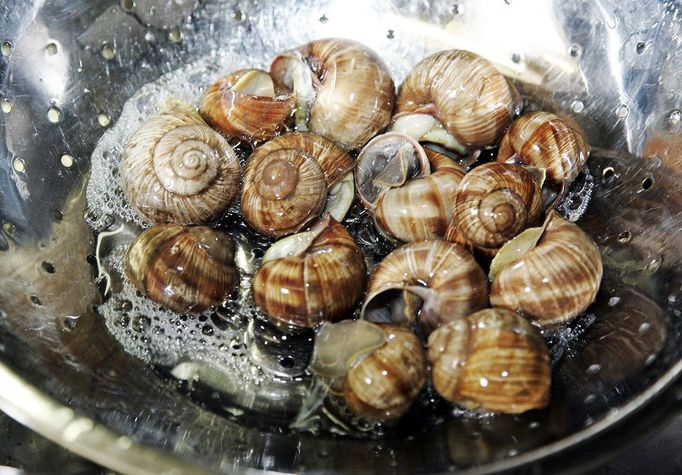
{"points": [[68, 67]]}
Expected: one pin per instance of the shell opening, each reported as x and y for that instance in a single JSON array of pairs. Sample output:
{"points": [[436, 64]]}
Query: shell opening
{"points": [[255, 83], [426, 128], [296, 244], [517, 247], [293, 70], [340, 197], [503, 211]]}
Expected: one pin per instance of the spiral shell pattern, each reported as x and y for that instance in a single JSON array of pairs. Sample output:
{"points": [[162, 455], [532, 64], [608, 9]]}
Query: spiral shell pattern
{"points": [[433, 282], [354, 92], [253, 118], [545, 140], [554, 282], [321, 284], [287, 180], [493, 203], [493, 360], [186, 269], [175, 168], [384, 384], [473, 100]]}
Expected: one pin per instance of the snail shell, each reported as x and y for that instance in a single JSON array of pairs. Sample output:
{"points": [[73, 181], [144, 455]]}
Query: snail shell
{"points": [[432, 282], [384, 384], [545, 140], [463, 91], [343, 90], [313, 277], [409, 190], [554, 282], [186, 269], [493, 203], [175, 168], [287, 181], [249, 105], [493, 360]]}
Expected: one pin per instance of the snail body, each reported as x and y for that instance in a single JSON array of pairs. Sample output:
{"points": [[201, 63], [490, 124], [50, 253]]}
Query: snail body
{"points": [[556, 280], [473, 101], [186, 269], [248, 104], [175, 168], [343, 89], [545, 140], [288, 179], [492, 360], [431, 282], [409, 190], [310, 278], [493, 203]]}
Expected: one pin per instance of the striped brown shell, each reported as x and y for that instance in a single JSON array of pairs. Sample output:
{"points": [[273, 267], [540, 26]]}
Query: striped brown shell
{"points": [[287, 180], [175, 168], [544, 140], [345, 91], [245, 106], [554, 282], [465, 92], [432, 282], [493, 203], [383, 385], [321, 282], [409, 190], [186, 269], [493, 360]]}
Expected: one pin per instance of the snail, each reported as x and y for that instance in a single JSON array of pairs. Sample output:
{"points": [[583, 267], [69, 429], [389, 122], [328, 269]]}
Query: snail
{"points": [[493, 203], [431, 282], [186, 269], [248, 104], [493, 360], [289, 180], [380, 368], [544, 140], [555, 280], [343, 90], [315, 276], [175, 168], [457, 99], [409, 190]]}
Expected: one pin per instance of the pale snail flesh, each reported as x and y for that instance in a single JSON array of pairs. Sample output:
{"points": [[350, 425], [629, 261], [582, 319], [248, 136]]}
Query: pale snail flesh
{"points": [[493, 203], [343, 90], [312, 277], [175, 168], [493, 360], [248, 104], [292, 179], [464, 95], [555, 280], [409, 190], [380, 367], [183, 268], [427, 282], [545, 140]]}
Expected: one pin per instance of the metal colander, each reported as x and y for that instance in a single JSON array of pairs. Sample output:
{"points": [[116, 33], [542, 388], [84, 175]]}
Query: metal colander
{"points": [[68, 68]]}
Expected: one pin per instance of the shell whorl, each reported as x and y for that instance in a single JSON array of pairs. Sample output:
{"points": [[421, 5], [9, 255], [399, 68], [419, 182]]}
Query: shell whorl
{"points": [[287, 179], [175, 168]]}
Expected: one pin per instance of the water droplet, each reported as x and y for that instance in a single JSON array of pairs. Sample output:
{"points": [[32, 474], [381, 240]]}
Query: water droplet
{"points": [[6, 105], [8, 228], [577, 106], [149, 36], [207, 330], [590, 398], [622, 111], [67, 160], [19, 165], [624, 237], [613, 301], [457, 9], [644, 327], [390, 35], [641, 46], [128, 5], [175, 35], [54, 115], [608, 172], [6, 48], [57, 215], [103, 119], [324, 19], [141, 323], [575, 51], [108, 52], [516, 58], [35, 300], [593, 369], [48, 267], [238, 15], [51, 48], [674, 121], [654, 264]]}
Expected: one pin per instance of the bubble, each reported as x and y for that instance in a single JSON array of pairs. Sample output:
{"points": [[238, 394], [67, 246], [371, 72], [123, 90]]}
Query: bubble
{"points": [[19, 165], [5, 105], [51, 49], [624, 237], [577, 106], [108, 52], [66, 160], [175, 35], [128, 5], [6, 48], [622, 111], [575, 51], [54, 115], [103, 119], [641, 46], [516, 58]]}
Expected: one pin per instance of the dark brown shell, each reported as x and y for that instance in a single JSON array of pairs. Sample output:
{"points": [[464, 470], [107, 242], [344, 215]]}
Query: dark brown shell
{"points": [[554, 282], [383, 385], [473, 100], [492, 360], [323, 283], [245, 116], [545, 140], [186, 269]]}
